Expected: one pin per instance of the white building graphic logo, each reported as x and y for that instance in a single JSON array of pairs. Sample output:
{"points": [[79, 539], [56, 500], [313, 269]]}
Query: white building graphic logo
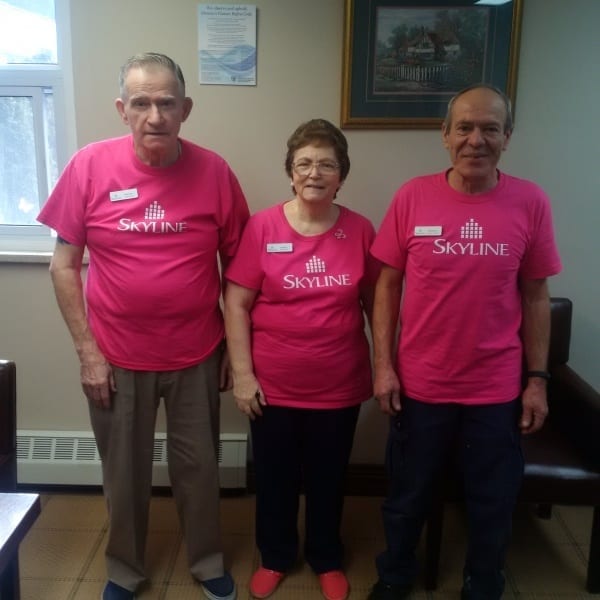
{"points": [[315, 265], [154, 222], [471, 230], [472, 245], [315, 277], [154, 211]]}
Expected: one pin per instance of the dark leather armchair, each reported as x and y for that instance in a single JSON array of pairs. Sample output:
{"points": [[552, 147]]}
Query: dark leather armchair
{"points": [[562, 461], [8, 427]]}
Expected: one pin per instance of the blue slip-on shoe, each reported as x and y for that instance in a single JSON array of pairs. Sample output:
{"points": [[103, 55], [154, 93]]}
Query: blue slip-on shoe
{"points": [[219, 588], [112, 591]]}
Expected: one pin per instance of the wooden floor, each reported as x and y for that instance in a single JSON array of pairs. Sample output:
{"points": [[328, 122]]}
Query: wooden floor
{"points": [[62, 556]]}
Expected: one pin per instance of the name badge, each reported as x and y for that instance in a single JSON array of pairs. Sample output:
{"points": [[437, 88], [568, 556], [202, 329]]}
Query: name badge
{"points": [[281, 247], [427, 230], [123, 195]]}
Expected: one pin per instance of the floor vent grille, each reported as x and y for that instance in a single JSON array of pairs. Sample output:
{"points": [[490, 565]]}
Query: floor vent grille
{"points": [[71, 458]]}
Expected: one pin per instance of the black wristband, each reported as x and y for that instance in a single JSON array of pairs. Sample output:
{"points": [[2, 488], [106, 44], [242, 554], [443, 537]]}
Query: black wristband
{"points": [[542, 374]]}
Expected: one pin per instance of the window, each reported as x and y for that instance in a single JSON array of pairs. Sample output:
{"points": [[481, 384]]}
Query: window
{"points": [[34, 71]]}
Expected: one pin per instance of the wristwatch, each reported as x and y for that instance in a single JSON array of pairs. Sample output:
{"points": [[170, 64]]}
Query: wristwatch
{"points": [[541, 374]]}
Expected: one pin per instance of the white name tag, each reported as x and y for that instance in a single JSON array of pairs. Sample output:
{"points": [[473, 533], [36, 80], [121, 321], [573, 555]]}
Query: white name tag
{"points": [[123, 195], [282, 247], [426, 230]]}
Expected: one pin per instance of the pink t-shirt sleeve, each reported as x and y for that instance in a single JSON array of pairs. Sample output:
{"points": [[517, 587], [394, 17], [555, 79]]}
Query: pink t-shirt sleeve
{"points": [[245, 268], [64, 210], [389, 245], [372, 264], [541, 259], [234, 214]]}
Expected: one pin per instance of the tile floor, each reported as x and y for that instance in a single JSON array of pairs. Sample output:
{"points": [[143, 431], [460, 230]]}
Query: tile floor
{"points": [[62, 556]]}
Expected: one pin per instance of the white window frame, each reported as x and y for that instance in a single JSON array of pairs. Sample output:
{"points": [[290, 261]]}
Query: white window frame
{"points": [[19, 240]]}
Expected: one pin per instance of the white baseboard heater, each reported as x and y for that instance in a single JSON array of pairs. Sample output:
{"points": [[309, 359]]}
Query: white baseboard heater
{"points": [[71, 458]]}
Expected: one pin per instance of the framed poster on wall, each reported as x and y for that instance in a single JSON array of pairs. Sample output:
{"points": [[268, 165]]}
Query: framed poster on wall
{"points": [[402, 62]]}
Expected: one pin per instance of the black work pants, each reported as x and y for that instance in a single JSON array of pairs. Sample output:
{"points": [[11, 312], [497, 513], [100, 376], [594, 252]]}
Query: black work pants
{"points": [[421, 438], [297, 449]]}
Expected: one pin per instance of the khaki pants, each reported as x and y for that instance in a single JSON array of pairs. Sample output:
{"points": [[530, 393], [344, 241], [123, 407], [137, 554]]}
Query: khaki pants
{"points": [[125, 438]]}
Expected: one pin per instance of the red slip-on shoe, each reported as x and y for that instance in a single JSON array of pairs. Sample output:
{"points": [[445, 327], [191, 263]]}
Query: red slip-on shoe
{"points": [[334, 585], [264, 582]]}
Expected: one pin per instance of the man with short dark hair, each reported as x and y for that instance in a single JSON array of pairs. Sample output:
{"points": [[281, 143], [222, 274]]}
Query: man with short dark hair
{"points": [[469, 251], [155, 213]]}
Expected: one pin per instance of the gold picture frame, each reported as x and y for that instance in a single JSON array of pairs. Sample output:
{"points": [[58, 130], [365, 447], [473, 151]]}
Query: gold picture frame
{"points": [[402, 62]]}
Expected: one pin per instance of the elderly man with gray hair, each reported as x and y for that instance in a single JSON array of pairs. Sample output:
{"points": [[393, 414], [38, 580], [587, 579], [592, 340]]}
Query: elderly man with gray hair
{"points": [[156, 213]]}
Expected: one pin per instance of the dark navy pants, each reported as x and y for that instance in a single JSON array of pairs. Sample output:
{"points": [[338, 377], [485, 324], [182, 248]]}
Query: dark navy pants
{"points": [[297, 449], [487, 440]]}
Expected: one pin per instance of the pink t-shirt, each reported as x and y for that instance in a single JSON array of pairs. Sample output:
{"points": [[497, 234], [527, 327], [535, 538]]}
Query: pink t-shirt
{"points": [[462, 256], [308, 341], [153, 235]]}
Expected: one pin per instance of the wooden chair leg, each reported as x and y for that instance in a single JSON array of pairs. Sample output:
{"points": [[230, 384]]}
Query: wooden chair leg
{"points": [[593, 572], [433, 543]]}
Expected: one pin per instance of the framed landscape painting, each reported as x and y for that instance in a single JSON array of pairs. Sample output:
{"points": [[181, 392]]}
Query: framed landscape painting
{"points": [[403, 60]]}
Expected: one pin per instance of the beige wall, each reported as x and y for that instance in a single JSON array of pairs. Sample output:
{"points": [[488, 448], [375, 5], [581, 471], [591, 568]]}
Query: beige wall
{"points": [[299, 77]]}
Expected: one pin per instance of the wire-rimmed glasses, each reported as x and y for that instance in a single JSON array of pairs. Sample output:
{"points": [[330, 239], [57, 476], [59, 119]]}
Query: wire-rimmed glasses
{"points": [[304, 167]]}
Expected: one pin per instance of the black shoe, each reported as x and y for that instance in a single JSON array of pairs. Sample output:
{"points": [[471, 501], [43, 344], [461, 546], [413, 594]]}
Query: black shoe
{"points": [[488, 592], [465, 592], [389, 591]]}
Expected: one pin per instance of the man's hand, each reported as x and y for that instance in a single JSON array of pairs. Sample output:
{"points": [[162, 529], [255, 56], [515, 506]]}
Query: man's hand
{"points": [[387, 390], [535, 406], [96, 375], [97, 379]]}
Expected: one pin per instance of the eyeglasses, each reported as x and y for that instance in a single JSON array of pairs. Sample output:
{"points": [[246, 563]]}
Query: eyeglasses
{"points": [[325, 167]]}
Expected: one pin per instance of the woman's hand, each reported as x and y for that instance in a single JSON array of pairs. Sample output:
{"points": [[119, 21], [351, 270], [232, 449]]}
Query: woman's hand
{"points": [[248, 395]]}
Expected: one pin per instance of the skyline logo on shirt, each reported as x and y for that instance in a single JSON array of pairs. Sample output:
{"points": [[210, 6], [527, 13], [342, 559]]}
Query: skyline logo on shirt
{"points": [[154, 211], [154, 222], [473, 234], [311, 281], [471, 230], [315, 265]]}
